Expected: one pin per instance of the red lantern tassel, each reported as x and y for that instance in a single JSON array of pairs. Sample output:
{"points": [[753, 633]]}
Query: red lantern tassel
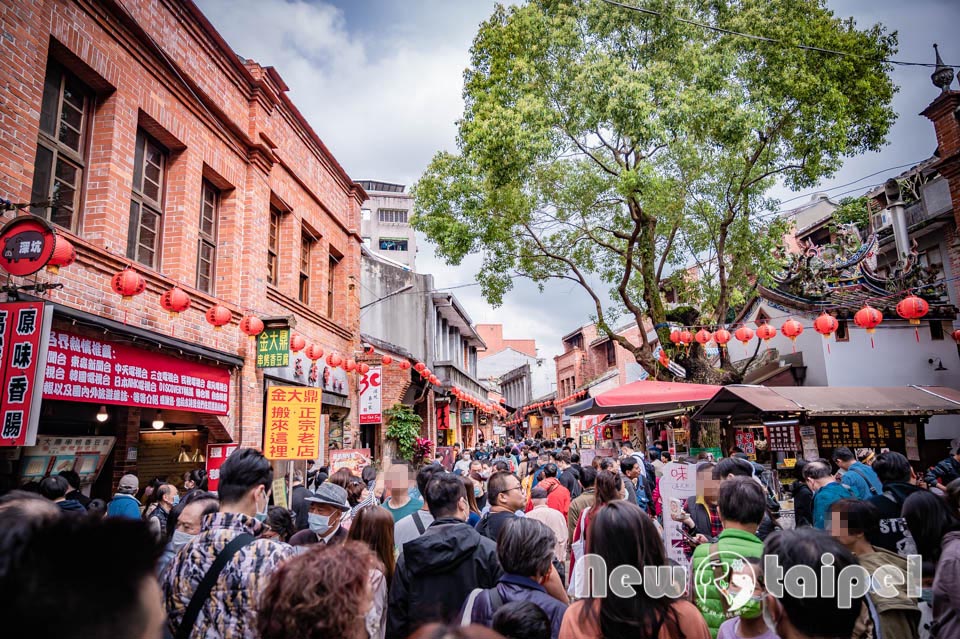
{"points": [[871, 342], [916, 330]]}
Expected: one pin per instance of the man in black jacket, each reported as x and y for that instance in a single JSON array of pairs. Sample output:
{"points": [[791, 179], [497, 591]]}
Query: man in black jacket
{"points": [[897, 476], [437, 571], [298, 504], [947, 470], [569, 476]]}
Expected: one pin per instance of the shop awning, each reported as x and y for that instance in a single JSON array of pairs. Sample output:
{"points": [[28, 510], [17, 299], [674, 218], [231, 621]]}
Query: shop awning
{"points": [[644, 397], [747, 402]]}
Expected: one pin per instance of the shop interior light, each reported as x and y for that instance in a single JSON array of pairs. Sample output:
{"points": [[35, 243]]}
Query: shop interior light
{"points": [[102, 414], [184, 457], [158, 422], [198, 457]]}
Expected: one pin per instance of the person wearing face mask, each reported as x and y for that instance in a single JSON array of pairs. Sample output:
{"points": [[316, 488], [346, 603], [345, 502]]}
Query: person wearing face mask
{"points": [[823, 616], [749, 623], [212, 586], [327, 508], [741, 502], [183, 523], [167, 498]]}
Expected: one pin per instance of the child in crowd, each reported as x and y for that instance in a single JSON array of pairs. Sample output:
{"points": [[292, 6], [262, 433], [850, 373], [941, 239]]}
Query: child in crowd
{"points": [[749, 622]]}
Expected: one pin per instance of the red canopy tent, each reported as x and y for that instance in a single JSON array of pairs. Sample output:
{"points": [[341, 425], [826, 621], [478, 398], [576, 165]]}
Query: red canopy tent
{"points": [[644, 397]]}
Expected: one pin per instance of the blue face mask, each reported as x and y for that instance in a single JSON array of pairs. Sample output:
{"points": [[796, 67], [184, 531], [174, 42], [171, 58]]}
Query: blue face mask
{"points": [[261, 515], [176, 499], [180, 539], [319, 524]]}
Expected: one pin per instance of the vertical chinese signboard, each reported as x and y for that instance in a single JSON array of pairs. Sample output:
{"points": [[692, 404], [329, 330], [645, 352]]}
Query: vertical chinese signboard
{"points": [[273, 348], [745, 441], [679, 482], [443, 416], [216, 455], [371, 410], [24, 331], [292, 423]]}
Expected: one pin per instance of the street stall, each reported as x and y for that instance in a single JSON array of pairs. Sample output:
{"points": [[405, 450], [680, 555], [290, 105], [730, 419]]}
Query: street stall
{"points": [[644, 413], [785, 423]]}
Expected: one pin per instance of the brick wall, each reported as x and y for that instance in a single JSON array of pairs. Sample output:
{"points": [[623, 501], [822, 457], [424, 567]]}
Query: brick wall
{"points": [[220, 120]]}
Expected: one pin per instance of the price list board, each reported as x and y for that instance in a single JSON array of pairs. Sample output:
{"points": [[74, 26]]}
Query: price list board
{"points": [[782, 437], [860, 433]]}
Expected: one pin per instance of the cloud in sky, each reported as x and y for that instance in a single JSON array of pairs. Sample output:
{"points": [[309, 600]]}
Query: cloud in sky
{"points": [[381, 81]]}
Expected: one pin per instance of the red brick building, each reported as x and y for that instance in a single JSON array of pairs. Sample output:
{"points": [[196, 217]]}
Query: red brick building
{"points": [[492, 335], [171, 154]]}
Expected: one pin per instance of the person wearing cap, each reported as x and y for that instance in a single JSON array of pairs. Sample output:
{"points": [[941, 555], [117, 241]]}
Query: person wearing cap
{"points": [[326, 509], [124, 504]]}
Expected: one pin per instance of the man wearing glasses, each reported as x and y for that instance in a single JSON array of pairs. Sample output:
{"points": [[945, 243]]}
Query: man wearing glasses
{"points": [[506, 499]]}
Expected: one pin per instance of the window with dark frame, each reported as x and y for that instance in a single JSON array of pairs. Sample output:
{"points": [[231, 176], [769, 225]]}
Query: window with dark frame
{"points": [[393, 244], [392, 216], [146, 201], [273, 246], [936, 331], [61, 147], [207, 248], [331, 284], [611, 348], [306, 250]]}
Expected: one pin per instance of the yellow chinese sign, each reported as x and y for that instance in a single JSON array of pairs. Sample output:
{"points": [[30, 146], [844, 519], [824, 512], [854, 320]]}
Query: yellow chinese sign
{"points": [[273, 348], [293, 423]]}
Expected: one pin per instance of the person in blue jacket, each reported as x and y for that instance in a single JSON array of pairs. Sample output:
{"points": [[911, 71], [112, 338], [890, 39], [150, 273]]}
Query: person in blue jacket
{"points": [[826, 490], [124, 504], [858, 476]]}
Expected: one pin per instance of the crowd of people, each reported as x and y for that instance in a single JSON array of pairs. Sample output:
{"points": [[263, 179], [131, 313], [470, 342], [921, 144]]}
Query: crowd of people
{"points": [[498, 544]]}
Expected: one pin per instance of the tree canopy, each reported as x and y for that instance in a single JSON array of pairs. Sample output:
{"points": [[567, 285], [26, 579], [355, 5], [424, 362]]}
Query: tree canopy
{"points": [[616, 148]]}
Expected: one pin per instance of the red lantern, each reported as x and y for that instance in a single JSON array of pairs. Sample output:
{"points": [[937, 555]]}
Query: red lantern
{"points": [[367, 349], [298, 343], [766, 332], [218, 316], [686, 337], [363, 368], [721, 337], [912, 308], [128, 283], [956, 336], [386, 360], [404, 365], [868, 318], [420, 367], [334, 360], [826, 325], [503, 400], [175, 301], [675, 336], [433, 379], [314, 352], [349, 365], [63, 254], [251, 325], [425, 373], [703, 336], [792, 330]]}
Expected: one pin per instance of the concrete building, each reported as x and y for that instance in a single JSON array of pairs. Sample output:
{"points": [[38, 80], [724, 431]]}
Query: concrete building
{"points": [[492, 335], [403, 316], [177, 158], [540, 378], [385, 222]]}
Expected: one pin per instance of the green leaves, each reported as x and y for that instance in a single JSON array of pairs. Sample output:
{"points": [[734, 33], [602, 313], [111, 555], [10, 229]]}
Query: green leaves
{"points": [[607, 146]]}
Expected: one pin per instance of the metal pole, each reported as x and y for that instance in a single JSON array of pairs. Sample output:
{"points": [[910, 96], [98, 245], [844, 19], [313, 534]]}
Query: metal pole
{"points": [[290, 487]]}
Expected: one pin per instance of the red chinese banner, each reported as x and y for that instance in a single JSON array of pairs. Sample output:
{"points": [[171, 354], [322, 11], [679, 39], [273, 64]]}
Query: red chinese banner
{"points": [[371, 410], [443, 416], [293, 423], [216, 455], [22, 326], [102, 372]]}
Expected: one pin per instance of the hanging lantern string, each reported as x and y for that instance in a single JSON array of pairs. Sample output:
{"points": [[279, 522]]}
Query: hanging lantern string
{"points": [[820, 307]]}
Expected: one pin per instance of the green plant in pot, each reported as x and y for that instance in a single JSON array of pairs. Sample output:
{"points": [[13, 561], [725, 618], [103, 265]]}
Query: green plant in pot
{"points": [[403, 427]]}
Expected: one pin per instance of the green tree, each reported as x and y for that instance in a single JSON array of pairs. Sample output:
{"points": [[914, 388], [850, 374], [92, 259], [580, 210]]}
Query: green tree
{"points": [[610, 147]]}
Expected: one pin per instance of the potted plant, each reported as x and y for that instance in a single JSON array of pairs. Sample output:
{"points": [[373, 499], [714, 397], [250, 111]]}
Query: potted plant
{"points": [[403, 428]]}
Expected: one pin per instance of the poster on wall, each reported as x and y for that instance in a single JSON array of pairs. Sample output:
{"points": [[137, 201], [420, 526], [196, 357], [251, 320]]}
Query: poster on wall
{"points": [[443, 416], [24, 331], [744, 440], [292, 425], [679, 482], [910, 441], [371, 410], [808, 440], [52, 454], [353, 459], [216, 455], [273, 348]]}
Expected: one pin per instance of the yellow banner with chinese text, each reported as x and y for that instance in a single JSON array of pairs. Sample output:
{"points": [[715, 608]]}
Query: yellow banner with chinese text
{"points": [[292, 429]]}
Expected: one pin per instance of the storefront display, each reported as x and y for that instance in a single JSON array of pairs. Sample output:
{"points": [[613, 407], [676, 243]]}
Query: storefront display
{"points": [[52, 455]]}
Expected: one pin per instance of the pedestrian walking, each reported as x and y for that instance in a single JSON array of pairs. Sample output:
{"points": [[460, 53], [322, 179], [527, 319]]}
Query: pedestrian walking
{"points": [[55, 489], [279, 524], [802, 497], [936, 531], [821, 617], [415, 524], [896, 613], [700, 517], [374, 527], [623, 535], [588, 478], [327, 508], [473, 489], [438, 570], [899, 482], [507, 498], [522, 620], [167, 497], [73, 479], [319, 594], [552, 519], [609, 487], [826, 490], [526, 553], [558, 497], [741, 503], [947, 470], [124, 504], [400, 504], [298, 505], [212, 586], [858, 476], [748, 622]]}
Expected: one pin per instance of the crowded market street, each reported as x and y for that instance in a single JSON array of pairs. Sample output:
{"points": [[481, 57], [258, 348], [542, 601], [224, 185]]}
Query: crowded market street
{"points": [[554, 319]]}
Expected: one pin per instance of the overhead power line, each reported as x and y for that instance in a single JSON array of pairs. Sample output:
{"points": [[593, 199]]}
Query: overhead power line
{"points": [[752, 36]]}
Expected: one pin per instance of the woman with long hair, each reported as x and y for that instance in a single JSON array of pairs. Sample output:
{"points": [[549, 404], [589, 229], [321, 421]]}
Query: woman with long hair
{"points": [[608, 488], [936, 530], [623, 535], [374, 527], [471, 488]]}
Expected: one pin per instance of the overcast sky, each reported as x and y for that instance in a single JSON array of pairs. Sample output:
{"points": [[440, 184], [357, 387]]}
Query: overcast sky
{"points": [[381, 82]]}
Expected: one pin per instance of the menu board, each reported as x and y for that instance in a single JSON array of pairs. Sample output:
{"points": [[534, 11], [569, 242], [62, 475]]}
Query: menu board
{"points": [[869, 433], [782, 436]]}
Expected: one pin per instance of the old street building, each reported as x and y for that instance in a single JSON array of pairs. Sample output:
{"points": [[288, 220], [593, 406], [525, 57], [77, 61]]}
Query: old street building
{"points": [[169, 154]]}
